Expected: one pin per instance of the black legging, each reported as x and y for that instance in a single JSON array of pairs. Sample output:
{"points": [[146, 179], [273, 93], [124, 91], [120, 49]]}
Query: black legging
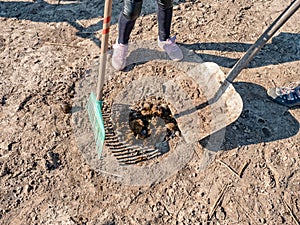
{"points": [[131, 11]]}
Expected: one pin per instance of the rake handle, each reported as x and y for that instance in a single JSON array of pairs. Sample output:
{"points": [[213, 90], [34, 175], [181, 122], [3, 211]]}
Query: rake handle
{"points": [[254, 49], [104, 47]]}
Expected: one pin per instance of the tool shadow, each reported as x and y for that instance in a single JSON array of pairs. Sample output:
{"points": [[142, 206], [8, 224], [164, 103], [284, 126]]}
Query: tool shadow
{"points": [[283, 48], [261, 121]]}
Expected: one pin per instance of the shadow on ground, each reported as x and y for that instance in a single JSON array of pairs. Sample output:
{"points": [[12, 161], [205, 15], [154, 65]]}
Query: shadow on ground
{"points": [[63, 11], [260, 121], [283, 48], [68, 11]]}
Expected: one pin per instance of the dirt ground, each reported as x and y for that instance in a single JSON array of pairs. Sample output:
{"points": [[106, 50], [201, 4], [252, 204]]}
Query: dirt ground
{"points": [[46, 49]]}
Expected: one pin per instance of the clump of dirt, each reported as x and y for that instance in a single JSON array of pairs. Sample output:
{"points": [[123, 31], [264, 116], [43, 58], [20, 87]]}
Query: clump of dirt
{"points": [[143, 113]]}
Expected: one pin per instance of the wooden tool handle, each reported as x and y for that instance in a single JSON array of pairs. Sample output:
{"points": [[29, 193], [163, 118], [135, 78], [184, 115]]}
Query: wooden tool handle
{"points": [[104, 47]]}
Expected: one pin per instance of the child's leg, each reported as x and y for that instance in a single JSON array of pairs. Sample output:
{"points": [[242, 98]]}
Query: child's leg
{"points": [[164, 17], [131, 11]]}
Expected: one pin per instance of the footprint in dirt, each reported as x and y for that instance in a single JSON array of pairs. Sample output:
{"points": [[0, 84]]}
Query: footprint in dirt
{"points": [[261, 121]]}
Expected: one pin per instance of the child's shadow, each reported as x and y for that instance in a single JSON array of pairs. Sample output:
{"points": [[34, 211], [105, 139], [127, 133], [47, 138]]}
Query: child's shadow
{"points": [[61, 11], [260, 121], [71, 12]]}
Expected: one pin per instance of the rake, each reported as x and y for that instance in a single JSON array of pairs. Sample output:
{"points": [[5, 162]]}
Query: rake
{"points": [[95, 102]]}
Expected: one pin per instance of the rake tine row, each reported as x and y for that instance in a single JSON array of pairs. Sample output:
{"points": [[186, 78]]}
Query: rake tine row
{"points": [[115, 145], [130, 149], [125, 154], [139, 159], [135, 154], [123, 150]]}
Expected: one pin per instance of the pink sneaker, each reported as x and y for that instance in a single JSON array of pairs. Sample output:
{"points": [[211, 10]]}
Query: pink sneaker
{"points": [[120, 52], [171, 48]]}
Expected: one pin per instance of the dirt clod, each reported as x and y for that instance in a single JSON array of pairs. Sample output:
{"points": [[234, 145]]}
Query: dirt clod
{"points": [[142, 114]]}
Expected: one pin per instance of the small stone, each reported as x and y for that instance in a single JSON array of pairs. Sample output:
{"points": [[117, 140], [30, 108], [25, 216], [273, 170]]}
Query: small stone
{"points": [[170, 126], [154, 209], [66, 107], [266, 132], [147, 106], [193, 175], [28, 188], [262, 220], [145, 112], [177, 133], [165, 106], [156, 111], [220, 214]]}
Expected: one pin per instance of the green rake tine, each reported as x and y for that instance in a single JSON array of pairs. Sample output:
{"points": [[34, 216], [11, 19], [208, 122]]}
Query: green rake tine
{"points": [[95, 115]]}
